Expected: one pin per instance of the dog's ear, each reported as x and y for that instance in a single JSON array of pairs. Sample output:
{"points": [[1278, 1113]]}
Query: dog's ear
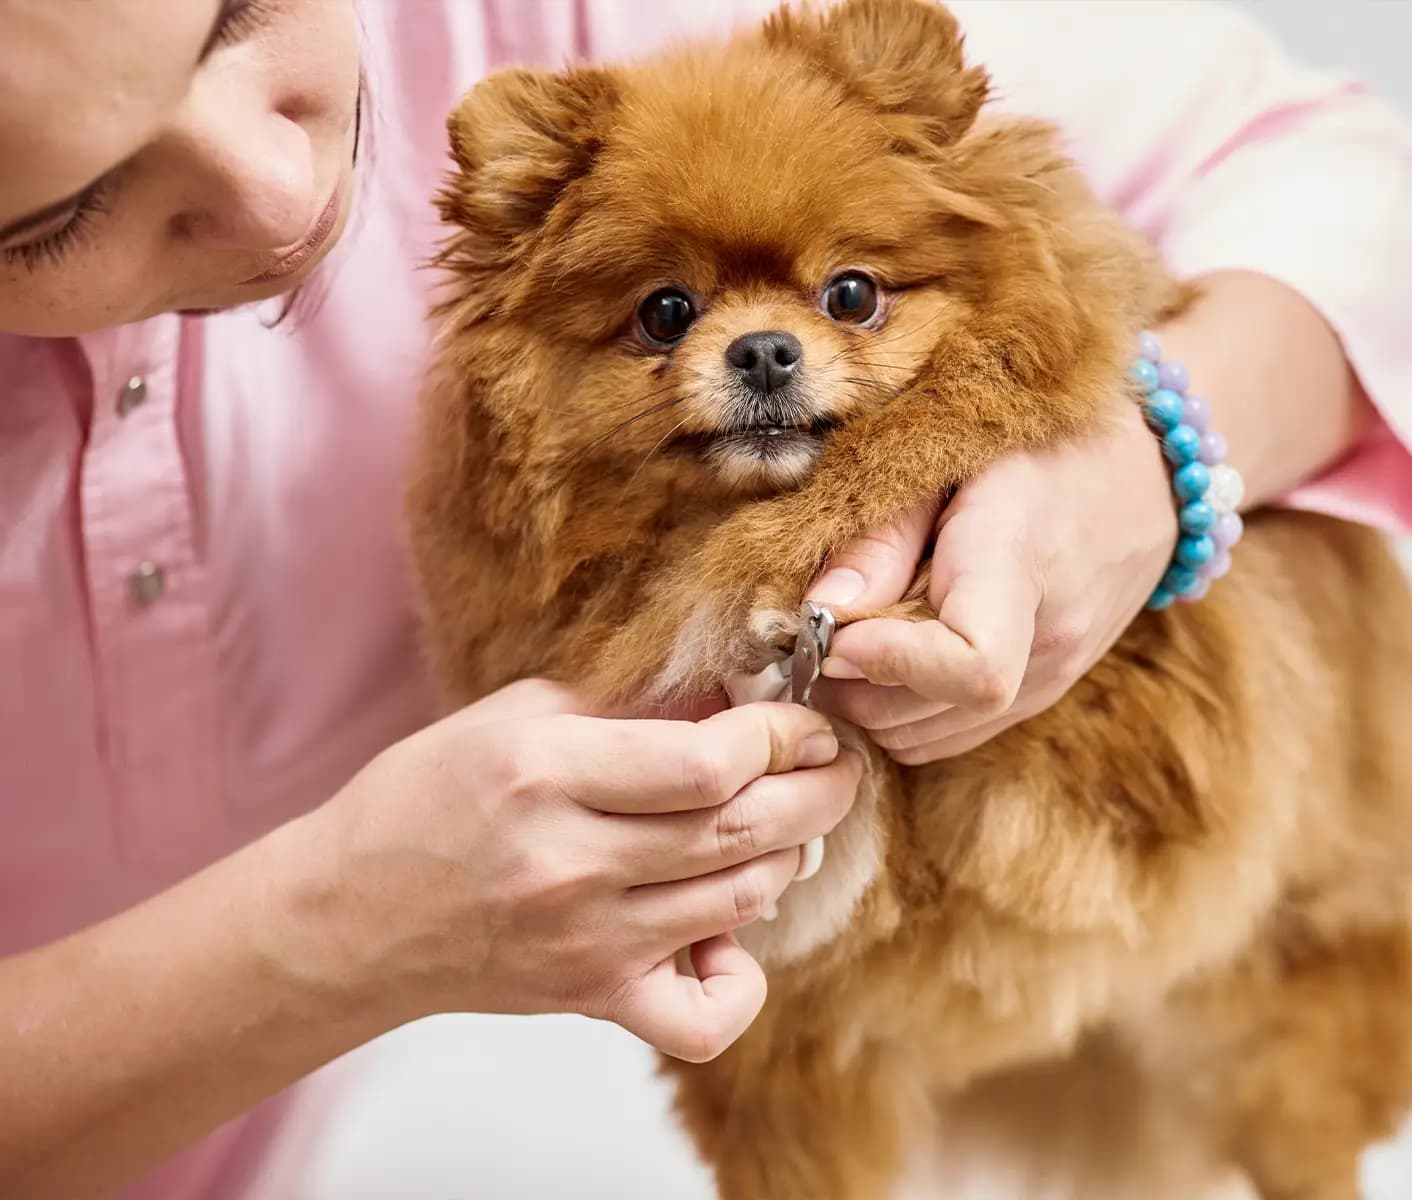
{"points": [[902, 56], [519, 138]]}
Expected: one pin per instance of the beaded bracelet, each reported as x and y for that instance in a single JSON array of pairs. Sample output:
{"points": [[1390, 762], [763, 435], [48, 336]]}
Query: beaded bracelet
{"points": [[1207, 487]]}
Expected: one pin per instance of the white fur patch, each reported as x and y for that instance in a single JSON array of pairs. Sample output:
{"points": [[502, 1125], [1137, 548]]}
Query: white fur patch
{"points": [[696, 640], [816, 910], [833, 874]]}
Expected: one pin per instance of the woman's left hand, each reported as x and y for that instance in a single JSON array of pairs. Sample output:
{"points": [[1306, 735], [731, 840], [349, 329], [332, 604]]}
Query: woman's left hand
{"points": [[1040, 564]]}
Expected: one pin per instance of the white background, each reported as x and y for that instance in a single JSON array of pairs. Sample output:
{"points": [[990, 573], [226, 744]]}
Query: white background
{"points": [[476, 1108]]}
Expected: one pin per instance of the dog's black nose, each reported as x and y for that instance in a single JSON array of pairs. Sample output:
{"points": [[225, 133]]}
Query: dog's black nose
{"points": [[765, 361]]}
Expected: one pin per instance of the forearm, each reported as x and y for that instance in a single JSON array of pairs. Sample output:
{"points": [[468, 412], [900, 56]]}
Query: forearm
{"points": [[1281, 390], [132, 1039]]}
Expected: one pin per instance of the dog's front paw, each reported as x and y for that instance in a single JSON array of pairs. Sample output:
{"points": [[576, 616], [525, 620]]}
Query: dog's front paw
{"points": [[915, 604], [918, 609], [720, 637], [771, 629]]}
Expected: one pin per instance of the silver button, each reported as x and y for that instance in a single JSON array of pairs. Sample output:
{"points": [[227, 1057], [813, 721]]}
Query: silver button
{"points": [[147, 584], [133, 393]]}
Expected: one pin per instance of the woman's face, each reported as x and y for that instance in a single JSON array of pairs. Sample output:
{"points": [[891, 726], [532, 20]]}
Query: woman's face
{"points": [[160, 155]]}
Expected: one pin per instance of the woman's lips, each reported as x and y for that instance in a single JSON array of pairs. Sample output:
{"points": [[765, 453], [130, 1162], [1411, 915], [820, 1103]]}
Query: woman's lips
{"points": [[306, 249]]}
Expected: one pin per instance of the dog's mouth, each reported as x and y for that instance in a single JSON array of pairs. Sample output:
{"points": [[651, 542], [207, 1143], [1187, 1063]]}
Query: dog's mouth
{"points": [[765, 440]]}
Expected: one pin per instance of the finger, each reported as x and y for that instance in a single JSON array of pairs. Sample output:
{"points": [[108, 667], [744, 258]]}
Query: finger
{"points": [[937, 663], [668, 915], [776, 812], [876, 570], [873, 706], [974, 655], [965, 738], [695, 1019], [939, 728], [668, 766]]}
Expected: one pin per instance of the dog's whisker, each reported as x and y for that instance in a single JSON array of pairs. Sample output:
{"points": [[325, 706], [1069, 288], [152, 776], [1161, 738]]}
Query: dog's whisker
{"points": [[652, 395], [877, 342], [877, 366], [662, 441], [622, 425]]}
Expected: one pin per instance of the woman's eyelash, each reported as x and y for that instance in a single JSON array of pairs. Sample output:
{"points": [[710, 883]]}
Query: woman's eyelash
{"points": [[242, 17], [52, 247]]}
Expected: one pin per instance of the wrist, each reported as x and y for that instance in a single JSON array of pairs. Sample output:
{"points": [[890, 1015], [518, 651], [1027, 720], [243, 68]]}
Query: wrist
{"points": [[314, 934], [1207, 490], [1280, 387]]}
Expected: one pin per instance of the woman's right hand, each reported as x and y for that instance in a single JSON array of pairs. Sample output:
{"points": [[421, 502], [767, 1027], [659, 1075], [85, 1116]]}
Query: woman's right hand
{"points": [[521, 857]]}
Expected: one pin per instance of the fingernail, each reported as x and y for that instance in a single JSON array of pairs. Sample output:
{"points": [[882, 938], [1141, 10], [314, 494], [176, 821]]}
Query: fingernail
{"points": [[811, 858], [840, 668], [842, 585], [817, 750]]}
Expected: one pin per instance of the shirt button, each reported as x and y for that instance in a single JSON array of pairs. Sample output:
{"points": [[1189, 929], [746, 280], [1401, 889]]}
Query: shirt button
{"points": [[133, 393], [147, 584]]}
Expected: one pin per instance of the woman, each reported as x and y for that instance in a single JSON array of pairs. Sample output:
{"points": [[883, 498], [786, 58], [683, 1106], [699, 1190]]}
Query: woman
{"points": [[221, 867]]}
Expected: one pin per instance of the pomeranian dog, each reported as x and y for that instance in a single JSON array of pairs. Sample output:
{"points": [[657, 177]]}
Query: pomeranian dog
{"points": [[713, 315]]}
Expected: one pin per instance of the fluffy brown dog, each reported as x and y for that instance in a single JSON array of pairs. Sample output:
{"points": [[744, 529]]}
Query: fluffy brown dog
{"points": [[714, 315]]}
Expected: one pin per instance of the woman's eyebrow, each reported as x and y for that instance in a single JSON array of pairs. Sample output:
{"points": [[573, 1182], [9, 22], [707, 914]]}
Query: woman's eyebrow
{"points": [[42, 216]]}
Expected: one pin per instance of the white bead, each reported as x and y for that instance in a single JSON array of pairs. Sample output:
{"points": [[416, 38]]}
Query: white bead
{"points": [[1227, 488]]}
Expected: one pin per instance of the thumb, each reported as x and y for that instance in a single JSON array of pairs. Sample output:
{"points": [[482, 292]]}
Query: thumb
{"points": [[696, 1019], [876, 569]]}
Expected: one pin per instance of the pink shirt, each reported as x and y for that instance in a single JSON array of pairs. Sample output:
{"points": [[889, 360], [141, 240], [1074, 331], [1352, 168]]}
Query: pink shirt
{"points": [[204, 619]]}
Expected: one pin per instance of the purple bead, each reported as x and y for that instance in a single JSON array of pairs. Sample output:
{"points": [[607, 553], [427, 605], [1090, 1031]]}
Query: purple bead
{"points": [[1148, 347], [1203, 585], [1196, 413], [1218, 565], [1213, 448], [1227, 530], [1173, 375]]}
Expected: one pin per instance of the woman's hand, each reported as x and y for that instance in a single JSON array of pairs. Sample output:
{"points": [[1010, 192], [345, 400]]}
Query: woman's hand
{"points": [[1042, 562], [520, 857], [1039, 565]]}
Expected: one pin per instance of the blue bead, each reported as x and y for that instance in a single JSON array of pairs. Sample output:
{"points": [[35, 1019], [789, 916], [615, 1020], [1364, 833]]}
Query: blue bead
{"points": [[1192, 481], [1144, 374], [1179, 579], [1164, 409], [1195, 551], [1182, 445], [1160, 599], [1197, 517], [1149, 347]]}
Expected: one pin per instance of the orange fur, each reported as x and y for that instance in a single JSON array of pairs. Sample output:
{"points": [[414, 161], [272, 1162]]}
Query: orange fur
{"points": [[1181, 892]]}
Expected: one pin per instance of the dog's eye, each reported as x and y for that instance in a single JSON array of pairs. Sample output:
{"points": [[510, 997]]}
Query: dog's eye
{"points": [[665, 316], [851, 297]]}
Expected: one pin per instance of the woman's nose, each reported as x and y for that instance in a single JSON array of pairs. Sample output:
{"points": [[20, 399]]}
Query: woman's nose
{"points": [[250, 175]]}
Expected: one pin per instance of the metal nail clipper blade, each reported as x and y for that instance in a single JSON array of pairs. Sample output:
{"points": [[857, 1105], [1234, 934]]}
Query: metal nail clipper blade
{"points": [[812, 647], [810, 650]]}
